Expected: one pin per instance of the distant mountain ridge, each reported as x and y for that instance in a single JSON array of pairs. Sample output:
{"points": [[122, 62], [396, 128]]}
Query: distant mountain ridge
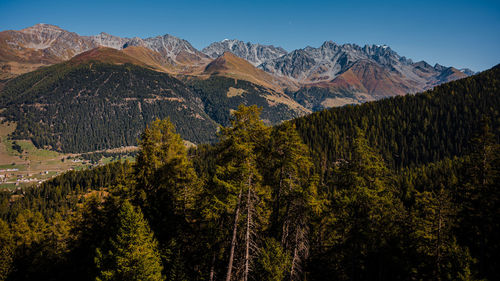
{"points": [[329, 75], [256, 54], [45, 44], [330, 60]]}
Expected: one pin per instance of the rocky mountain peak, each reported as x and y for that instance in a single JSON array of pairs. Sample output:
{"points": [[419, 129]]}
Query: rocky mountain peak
{"points": [[179, 51], [254, 53], [324, 63], [468, 71], [108, 40], [42, 27]]}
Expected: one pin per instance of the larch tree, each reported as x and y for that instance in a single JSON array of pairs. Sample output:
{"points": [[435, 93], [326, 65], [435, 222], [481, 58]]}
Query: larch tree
{"points": [[241, 194], [294, 195], [162, 166], [433, 219], [6, 250]]}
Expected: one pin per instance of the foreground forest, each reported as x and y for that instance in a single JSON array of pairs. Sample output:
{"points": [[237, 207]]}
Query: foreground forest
{"points": [[338, 195]]}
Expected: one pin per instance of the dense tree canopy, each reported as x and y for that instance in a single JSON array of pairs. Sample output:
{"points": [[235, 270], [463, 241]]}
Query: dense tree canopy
{"points": [[378, 193]]}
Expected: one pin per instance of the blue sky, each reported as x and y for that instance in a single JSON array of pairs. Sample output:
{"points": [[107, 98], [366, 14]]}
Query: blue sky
{"points": [[457, 33]]}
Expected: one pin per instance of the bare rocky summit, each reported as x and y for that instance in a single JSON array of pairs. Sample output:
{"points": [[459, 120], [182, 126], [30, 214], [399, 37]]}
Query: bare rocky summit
{"points": [[256, 54], [330, 60]]}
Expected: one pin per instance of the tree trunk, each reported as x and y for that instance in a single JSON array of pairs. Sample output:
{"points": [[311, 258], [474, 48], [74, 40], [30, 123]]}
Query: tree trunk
{"points": [[212, 268], [233, 241], [277, 205], [247, 235], [295, 256]]}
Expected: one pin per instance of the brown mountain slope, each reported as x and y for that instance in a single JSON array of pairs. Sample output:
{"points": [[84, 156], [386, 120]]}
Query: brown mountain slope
{"points": [[25, 50], [106, 55], [369, 78], [139, 56], [43, 44], [149, 57], [450, 74], [229, 65]]}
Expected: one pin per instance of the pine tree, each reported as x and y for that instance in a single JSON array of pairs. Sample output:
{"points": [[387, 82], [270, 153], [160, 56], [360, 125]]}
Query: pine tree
{"points": [[132, 254]]}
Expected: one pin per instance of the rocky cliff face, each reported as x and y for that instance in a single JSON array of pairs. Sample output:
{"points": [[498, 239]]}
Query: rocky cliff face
{"points": [[179, 51], [108, 40], [324, 64], [254, 53], [45, 44], [42, 43]]}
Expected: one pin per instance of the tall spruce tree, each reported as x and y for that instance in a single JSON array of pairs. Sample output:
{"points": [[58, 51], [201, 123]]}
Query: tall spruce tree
{"points": [[132, 253]]}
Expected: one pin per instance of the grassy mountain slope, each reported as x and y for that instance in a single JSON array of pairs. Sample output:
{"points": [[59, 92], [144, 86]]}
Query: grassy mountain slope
{"points": [[229, 65]]}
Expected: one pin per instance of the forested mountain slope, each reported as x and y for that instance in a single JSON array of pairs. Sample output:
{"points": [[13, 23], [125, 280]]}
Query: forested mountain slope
{"points": [[103, 99], [409, 130], [93, 106], [252, 207]]}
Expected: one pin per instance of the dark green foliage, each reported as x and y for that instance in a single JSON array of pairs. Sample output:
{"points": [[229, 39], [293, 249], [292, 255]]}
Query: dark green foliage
{"points": [[132, 254], [95, 106], [6, 250], [410, 130], [239, 195], [362, 221], [312, 97], [213, 92], [40, 247], [274, 262], [167, 189], [479, 198], [17, 147], [253, 206], [294, 195], [62, 193], [439, 255]]}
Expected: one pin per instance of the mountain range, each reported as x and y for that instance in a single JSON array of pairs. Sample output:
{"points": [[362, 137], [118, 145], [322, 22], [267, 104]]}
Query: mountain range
{"points": [[77, 93], [348, 72]]}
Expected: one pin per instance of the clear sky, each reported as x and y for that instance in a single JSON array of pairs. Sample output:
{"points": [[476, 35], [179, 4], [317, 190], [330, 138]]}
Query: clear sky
{"points": [[453, 33]]}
